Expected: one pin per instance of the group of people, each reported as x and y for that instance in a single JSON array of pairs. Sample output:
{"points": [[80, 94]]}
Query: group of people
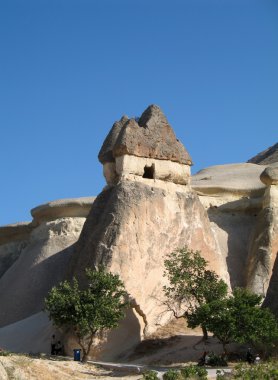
{"points": [[205, 358], [56, 346], [250, 358]]}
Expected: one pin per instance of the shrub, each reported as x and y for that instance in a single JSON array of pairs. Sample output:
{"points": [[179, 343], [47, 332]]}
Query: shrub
{"points": [[217, 360], [172, 374], [194, 372], [266, 371], [4, 352], [87, 311], [150, 375], [222, 375]]}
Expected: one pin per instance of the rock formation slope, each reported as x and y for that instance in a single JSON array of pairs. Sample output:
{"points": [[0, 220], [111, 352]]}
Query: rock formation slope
{"points": [[38, 257], [267, 157], [136, 221], [232, 203]]}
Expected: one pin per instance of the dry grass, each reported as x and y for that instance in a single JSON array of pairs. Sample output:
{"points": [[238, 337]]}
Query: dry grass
{"points": [[20, 367]]}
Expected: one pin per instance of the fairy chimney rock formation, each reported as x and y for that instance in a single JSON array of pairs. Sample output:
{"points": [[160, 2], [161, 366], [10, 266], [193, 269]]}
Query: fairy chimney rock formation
{"points": [[146, 212], [144, 148]]}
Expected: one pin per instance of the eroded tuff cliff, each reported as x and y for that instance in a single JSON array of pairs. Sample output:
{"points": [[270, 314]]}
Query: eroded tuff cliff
{"points": [[241, 202], [138, 219], [36, 256]]}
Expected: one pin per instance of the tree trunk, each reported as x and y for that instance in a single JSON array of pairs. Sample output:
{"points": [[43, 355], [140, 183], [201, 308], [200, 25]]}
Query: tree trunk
{"points": [[88, 348], [205, 333]]}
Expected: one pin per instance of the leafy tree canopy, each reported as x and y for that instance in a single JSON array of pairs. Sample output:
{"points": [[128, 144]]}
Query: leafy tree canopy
{"points": [[89, 310], [237, 318], [191, 283]]}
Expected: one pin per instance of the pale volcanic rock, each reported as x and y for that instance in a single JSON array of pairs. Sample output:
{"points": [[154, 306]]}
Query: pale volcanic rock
{"points": [[131, 228], [264, 246], [71, 207], [241, 202], [147, 211], [9, 253], [31, 334], [41, 265], [262, 258], [13, 239], [239, 179], [232, 194], [32, 266], [15, 232], [270, 175], [169, 171]]}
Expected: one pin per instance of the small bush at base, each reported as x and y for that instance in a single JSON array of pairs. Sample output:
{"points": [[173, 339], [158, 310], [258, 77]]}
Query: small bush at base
{"points": [[194, 372], [222, 375], [172, 374], [217, 361], [4, 352], [266, 371], [150, 375]]}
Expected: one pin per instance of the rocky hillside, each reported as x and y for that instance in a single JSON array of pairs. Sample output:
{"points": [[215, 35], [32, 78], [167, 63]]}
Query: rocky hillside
{"points": [[267, 157]]}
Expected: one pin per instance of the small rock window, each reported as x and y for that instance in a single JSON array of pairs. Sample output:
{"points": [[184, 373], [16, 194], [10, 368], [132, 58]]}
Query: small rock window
{"points": [[149, 172]]}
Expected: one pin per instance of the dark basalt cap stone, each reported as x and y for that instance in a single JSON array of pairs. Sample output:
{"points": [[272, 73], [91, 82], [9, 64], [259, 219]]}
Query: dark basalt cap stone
{"points": [[151, 137], [106, 151]]}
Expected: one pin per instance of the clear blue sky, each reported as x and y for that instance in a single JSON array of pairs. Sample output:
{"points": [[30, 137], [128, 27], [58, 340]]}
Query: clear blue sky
{"points": [[70, 68]]}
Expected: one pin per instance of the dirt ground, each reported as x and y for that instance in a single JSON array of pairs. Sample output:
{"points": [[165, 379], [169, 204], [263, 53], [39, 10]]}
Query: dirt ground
{"points": [[25, 368], [172, 346]]}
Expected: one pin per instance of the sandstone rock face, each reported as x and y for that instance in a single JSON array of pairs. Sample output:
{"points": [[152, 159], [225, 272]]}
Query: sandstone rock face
{"points": [[147, 210], [270, 175], [13, 239], [71, 207], [264, 244], [43, 259], [135, 168], [232, 196], [32, 334], [15, 232], [40, 266], [130, 229], [243, 215], [234, 179], [151, 137]]}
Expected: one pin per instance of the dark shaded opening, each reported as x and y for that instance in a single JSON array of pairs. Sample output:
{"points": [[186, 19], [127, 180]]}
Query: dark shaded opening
{"points": [[149, 172]]}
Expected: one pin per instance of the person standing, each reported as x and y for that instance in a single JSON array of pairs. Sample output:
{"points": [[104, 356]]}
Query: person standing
{"points": [[249, 356], [257, 359], [58, 348], [53, 345]]}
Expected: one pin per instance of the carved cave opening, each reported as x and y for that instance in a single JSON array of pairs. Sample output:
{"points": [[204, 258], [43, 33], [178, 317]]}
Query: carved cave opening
{"points": [[149, 172]]}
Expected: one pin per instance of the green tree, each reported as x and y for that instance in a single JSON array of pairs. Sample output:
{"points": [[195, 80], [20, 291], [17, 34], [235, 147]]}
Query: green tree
{"points": [[90, 310], [218, 319], [238, 318], [191, 284]]}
